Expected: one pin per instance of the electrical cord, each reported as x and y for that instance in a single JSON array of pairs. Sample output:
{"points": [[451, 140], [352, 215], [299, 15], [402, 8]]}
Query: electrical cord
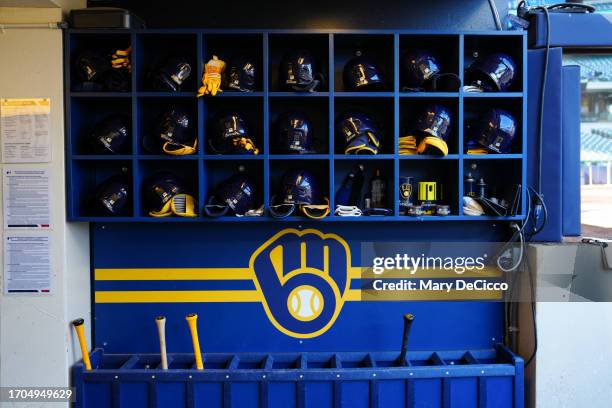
{"points": [[496, 17]]}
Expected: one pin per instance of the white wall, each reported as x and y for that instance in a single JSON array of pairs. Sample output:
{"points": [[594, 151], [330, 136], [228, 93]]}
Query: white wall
{"points": [[573, 366], [37, 346]]}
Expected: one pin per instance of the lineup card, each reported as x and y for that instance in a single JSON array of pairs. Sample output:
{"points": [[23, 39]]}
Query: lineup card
{"points": [[25, 130], [27, 198], [27, 263]]}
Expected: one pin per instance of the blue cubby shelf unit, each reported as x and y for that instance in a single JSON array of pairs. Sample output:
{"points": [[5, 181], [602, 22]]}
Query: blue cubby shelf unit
{"points": [[471, 378], [391, 106]]}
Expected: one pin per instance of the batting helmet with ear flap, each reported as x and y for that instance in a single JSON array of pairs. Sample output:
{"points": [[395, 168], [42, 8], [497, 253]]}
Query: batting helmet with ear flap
{"points": [[295, 133], [174, 133], [433, 127], [171, 74], [299, 72], [361, 134], [493, 72], [111, 135], [236, 194], [496, 131], [112, 196], [241, 74], [92, 69], [362, 74]]}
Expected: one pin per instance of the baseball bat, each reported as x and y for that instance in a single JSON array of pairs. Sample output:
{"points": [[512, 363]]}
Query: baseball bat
{"points": [[193, 328], [78, 325], [408, 319], [160, 321]]}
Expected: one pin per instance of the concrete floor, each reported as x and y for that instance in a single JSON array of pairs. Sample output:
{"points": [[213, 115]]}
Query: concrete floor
{"points": [[597, 211]]}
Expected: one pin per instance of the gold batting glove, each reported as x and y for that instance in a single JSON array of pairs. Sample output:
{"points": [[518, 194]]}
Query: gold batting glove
{"points": [[211, 80]]}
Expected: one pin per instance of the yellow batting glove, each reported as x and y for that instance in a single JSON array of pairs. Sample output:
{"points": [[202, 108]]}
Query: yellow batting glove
{"points": [[211, 80]]}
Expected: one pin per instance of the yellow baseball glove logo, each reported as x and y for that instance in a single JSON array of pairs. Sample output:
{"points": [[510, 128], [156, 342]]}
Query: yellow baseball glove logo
{"points": [[303, 277]]}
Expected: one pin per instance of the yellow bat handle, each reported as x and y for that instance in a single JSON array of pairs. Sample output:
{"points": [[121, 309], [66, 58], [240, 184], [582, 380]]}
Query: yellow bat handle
{"points": [[160, 321], [193, 328], [80, 331]]}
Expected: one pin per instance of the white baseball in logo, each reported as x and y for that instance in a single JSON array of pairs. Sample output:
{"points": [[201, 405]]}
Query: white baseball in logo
{"points": [[305, 303]]}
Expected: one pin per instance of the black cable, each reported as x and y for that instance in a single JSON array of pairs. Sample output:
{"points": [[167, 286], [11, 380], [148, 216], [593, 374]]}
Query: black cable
{"points": [[542, 97]]}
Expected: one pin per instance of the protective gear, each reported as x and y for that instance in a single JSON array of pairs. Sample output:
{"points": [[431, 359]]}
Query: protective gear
{"points": [[112, 196], [361, 74], [348, 211], [472, 207], [492, 73], [496, 131], [164, 195], [298, 72], [230, 135], [211, 79], [242, 74], [421, 71], [171, 74], [173, 134], [473, 147], [360, 132], [295, 133], [92, 69], [121, 59], [407, 145], [111, 135], [300, 190], [237, 194], [349, 193], [434, 126]]}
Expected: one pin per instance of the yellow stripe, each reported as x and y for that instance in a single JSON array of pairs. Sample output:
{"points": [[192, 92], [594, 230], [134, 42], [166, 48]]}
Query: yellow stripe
{"points": [[173, 274], [215, 296], [355, 272], [178, 296]]}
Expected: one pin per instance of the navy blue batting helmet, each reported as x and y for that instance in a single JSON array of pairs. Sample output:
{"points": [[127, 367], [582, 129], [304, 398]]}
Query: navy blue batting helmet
{"points": [[496, 131], [362, 74], [295, 133], [111, 135], [360, 133], [112, 196], [492, 72]]}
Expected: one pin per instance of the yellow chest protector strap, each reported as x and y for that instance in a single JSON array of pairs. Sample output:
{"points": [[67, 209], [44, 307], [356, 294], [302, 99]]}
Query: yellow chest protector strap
{"points": [[179, 149], [316, 211], [182, 205]]}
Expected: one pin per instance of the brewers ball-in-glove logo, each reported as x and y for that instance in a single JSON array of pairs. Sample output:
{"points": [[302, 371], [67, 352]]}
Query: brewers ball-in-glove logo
{"points": [[303, 277]]}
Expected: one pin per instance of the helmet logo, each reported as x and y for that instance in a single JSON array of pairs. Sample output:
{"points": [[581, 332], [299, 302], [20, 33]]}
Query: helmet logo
{"points": [[303, 279]]}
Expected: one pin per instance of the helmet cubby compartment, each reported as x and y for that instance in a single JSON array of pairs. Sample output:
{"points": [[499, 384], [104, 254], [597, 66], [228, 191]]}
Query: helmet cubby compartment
{"points": [[183, 173], [96, 126], [429, 63], [240, 181], [298, 126], [493, 121], [310, 54], [357, 113], [90, 62], [371, 59], [424, 117], [101, 185], [310, 179], [495, 179], [242, 51], [349, 173], [162, 120], [438, 180], [230, 118], [166, 54], [485, 50]]}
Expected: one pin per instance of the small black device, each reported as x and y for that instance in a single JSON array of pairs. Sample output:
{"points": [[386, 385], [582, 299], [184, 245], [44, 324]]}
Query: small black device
{"points": [[104, 17]]}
